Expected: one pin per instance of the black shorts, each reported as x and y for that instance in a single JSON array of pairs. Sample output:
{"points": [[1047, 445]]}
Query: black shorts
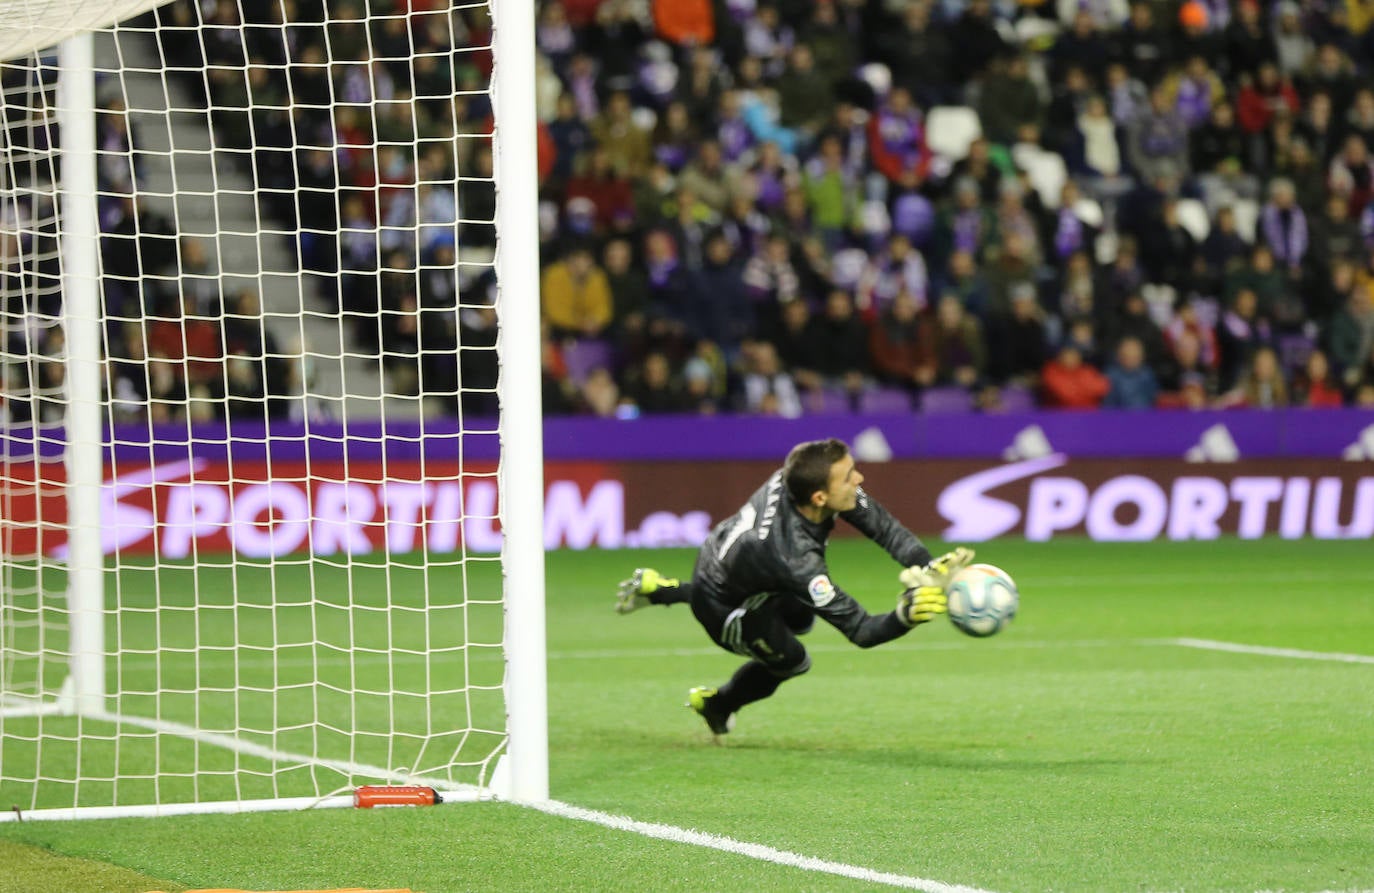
{"points": [[764, 627]]}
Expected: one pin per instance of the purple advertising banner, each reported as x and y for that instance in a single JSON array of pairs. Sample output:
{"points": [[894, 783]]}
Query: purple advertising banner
{"points": [[1202, 436]]}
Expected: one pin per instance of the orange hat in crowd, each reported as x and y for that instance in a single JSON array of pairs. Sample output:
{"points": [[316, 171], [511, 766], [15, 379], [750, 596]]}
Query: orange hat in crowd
{"points": [[1193, 15]]}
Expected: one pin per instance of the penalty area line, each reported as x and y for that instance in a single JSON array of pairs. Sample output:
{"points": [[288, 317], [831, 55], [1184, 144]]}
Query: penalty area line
{"points": [[1266, 651], [758, 851]]}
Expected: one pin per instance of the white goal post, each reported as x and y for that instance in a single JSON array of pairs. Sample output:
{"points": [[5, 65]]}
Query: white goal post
{"points": [[271, 474]]}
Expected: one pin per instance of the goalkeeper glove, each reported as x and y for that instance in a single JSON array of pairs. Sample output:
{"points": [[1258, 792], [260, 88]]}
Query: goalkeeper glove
{"points": [[939, 571], [921, 604]]}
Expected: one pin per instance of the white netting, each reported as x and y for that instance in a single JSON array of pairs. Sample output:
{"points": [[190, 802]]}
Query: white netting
{"points": [[301, 591]]}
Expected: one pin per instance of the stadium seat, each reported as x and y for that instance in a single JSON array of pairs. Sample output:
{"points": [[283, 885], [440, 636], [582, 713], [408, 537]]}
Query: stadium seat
{"points": [[1017, 399], [946, 400], [1293, 350], [584, 355], [1247, 213], [1036, 33], [1089, 210], [885, 400], [1192, 216], [951, 129], [1046, 170], [878, 77], [826, 401]]}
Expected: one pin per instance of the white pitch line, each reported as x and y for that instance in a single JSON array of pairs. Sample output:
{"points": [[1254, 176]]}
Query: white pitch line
{"points": [[1266, 651], [551, 807], [750, 850], [273, 755]]}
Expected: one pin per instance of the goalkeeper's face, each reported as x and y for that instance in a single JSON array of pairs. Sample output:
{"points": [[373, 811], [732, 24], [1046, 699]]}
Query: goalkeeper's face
{"points": [[842, 494]]}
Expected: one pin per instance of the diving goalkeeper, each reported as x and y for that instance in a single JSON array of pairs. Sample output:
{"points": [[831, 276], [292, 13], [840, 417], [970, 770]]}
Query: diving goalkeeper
{"points": [[760, 578]]}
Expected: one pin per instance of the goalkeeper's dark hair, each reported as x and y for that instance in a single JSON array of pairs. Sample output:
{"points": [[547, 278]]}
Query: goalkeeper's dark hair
{"points": [[807, 468]]}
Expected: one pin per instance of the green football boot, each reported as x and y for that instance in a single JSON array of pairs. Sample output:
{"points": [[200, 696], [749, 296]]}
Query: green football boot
{"points": [[720, 722], [633, 594]]}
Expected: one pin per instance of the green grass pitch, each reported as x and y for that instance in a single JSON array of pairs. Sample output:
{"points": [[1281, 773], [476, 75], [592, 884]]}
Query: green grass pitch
{"points": [[1082, 749]]}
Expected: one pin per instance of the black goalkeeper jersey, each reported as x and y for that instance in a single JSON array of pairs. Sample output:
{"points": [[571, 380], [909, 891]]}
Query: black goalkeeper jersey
{"points": [[769, 547]]}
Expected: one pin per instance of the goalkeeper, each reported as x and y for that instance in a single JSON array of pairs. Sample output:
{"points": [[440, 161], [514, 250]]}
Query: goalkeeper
{"points": [[761, 578]]}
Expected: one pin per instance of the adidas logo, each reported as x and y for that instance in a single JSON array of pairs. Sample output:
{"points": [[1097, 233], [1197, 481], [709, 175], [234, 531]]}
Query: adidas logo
{"points": [[1216, 445], [1362, 448]]}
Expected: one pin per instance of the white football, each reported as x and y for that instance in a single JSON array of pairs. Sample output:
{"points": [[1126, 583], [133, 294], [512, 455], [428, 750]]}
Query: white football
{"points": [[982, 599]]}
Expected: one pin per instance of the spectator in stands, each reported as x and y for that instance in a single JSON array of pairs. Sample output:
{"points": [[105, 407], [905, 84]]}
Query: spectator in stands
{"points": [[1284, 227], [1018, 344], [1187, 366], [1241, 332], [897, 139], [724, 312], [1269, 96], [805, 94], [628, 146], [1351, 173], [1196, 90], [576, 295], [900, 348], [897, 268], [706, 177], [965, 279], [1224, 246], [1335, 236], [1143, 44], [1262, 385], [920, 56], [979, 166], [1082, 44], [978, 41], [772, 282], [600, 395], [1157, 140], [1350, 334], [1127, 98], [1167, 249], [958, 345], [1009, 99], [967, 225], [654, 390], [1219, 151], [1133, 383], [844, 362], [766, 388], [1315, 386], [1248, 44], [798, 343], [831, 191], [1096, 152], [1067, 382]]}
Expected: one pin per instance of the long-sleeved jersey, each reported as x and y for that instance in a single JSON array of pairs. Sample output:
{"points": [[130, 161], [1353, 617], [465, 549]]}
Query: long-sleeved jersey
{"points": [[768, 546]]}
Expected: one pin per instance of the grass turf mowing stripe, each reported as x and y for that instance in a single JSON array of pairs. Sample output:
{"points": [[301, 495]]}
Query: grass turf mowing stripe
{"points": [[1267, 651], [751, 850]]}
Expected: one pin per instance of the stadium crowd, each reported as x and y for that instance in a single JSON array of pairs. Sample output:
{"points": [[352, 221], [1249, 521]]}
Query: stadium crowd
{"points": [[1165, 204], [792, 206]]}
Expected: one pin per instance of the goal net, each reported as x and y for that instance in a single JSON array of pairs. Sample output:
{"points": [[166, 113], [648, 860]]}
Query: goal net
{"points": [[269, 444]]}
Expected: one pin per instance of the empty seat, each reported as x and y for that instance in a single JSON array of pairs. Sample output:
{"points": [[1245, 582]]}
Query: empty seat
{"points": [[946, 400], [885, 400], [1247, 213], [1192, 216], [951, 129], [584, 355], [826, 401]]}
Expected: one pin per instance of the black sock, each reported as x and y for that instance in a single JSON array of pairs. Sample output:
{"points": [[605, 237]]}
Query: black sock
{"points": [[672, 595], [751, 682]]}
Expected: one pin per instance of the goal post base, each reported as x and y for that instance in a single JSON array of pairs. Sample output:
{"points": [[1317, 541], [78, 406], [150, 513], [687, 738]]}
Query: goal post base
{"points": [[65, 703]]}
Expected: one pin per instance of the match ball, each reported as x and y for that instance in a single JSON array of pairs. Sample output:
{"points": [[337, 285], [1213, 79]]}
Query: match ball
{"points": [[982, 599]]}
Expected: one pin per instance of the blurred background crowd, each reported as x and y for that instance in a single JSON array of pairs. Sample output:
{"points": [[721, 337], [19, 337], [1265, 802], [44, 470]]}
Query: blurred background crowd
{"points": [[786, 206], [827, 205]]}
